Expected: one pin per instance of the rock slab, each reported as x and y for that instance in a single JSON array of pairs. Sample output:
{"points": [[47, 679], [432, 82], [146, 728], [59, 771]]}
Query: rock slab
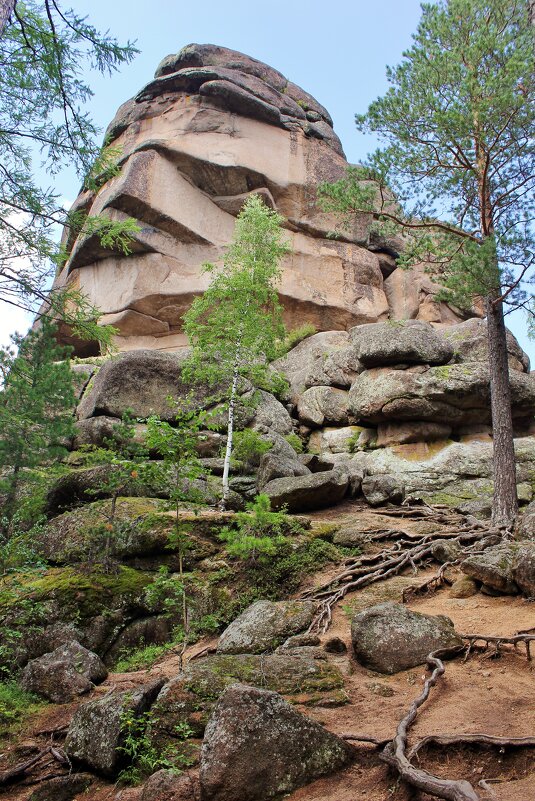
{"points": [[265, 625]]}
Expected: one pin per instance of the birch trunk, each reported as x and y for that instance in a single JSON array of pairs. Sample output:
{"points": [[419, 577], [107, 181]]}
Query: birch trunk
{"points": [[230, 431], [6, 9]]}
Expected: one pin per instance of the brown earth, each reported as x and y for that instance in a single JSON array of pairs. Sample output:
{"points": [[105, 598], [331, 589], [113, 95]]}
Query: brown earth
{"points": [[485, 693]]}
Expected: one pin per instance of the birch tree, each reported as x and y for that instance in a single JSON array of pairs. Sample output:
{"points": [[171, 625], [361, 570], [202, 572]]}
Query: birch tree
{"points": [[234, 327]]}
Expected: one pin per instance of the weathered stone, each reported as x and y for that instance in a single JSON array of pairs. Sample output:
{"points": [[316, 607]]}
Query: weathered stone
{"points": [[389, 637], [64, 674], [470, 342], [96, 430], [336, 440], [335, 646], [264, 625], [494, 568], [319, 405], [276, 465], [523, 571], [324, 359], [410, 342], [525, 525], [270, 412], [455, 394], [62, 788], [149, 630], [167, 785], [402, 433], [379, 490], [140, 381], [464, 587], [190, 697], [446, 551], [258, 747], [316, 462], [96, 732], [304, 493]]}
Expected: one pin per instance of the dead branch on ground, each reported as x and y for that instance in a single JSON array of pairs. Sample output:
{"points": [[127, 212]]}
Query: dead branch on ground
{"points": [[489, 639], [471, 739]]}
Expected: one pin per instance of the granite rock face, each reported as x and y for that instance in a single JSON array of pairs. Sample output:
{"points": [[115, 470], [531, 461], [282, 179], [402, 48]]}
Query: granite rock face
{"points": [[264, 625], [213, 126]]}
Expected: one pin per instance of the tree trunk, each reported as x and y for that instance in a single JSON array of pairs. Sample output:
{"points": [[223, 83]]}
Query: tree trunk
{"points": [[6, 9], [228, 450], [505, 502]]}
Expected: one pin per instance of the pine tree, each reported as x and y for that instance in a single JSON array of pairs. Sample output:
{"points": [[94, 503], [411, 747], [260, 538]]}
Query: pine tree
{"points": [[36, 410], [234, 327], [457, 123]]}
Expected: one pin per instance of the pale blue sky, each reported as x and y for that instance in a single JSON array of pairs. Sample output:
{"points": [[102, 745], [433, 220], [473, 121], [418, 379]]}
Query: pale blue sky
{"points": [[337, 51]]}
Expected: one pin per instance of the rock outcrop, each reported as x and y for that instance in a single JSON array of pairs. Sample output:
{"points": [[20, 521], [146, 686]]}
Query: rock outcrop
{"points": [[264, 625], [213, 126]]}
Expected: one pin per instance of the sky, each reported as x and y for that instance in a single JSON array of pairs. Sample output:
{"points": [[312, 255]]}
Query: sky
{"points": [[337, 51]]}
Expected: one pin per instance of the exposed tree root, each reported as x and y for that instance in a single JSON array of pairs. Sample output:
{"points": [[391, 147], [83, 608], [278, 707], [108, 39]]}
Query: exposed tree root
{"points": [[395, 753], [471, 739], [407, 552], [488, 639], [431, 585]]}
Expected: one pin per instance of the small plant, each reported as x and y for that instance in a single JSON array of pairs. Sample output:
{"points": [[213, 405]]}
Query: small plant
{"points": [[259, 530], [143, 756], [295, 441], [295, 336], [249, 447], [142, 658]]}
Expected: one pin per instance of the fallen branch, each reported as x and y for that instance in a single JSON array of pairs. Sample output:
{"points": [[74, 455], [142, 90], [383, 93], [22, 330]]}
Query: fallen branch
{"points": [[475, 739], [395, 752]]}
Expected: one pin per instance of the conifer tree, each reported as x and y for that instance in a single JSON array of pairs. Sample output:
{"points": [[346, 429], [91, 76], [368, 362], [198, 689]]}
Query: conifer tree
{"points": [[234, 327], [457, 127], [36, 410]]}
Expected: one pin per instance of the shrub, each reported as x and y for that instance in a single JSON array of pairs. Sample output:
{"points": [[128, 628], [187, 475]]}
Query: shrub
{"points": [[295, 441], [249, 447], [295, 336], [259, 530]]}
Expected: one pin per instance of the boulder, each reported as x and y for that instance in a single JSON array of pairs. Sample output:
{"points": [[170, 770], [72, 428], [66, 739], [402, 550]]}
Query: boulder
{"points": [[397, 342], [446, 551], [96, 430], [264, 625], [389, 637], [525, 524], [523, 571], [305, 493], [258, 747], [470, 342], [324, 359], [346, 439], [189, 697], [275, 465], [378, 490], [167, 785], [62, 788], [323, 405], [270, 412], [464, 587], [494, 568], [64, 674], [453, 394], [97, 730]]}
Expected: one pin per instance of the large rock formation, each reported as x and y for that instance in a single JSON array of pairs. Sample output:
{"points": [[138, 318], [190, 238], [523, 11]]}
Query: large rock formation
{"points": [[213, 126]]}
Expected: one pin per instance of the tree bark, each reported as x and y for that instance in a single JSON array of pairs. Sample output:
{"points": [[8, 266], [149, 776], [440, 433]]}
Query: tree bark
{"points": [[505, 501], [6, 9], [230, 431]]}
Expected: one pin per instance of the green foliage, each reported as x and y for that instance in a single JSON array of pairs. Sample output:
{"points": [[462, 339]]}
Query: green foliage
{"points": [[104, 168], [43, 49], [36, 404], [457, 127], [233, 328], [166, 592], [295, 441], [259, 531], [144, 757], [249, 447], [15, 705], [295, 336], [142, 658]]}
